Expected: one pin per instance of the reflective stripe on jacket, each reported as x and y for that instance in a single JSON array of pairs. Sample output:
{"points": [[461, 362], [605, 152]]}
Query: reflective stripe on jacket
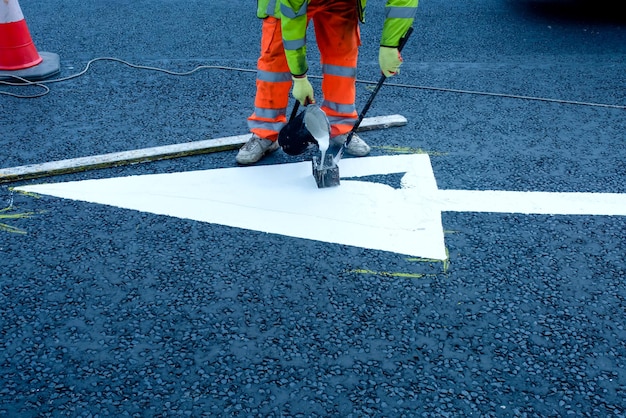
{"points": [[399, 15]]}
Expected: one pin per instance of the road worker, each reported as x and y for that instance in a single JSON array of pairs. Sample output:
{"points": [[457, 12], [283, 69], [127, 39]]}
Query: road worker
{"points": [[283, 64]]}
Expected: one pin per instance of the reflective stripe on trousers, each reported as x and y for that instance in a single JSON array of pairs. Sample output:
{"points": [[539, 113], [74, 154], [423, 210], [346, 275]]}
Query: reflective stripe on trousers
{"points": [[273, 83]]}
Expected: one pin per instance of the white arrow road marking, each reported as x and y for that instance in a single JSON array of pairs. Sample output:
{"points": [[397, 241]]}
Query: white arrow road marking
{"points": [[284, 199]]}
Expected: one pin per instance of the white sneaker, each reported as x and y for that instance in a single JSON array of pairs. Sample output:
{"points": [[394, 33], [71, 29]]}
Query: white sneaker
{"points": [[356, 147], [255, 149]]}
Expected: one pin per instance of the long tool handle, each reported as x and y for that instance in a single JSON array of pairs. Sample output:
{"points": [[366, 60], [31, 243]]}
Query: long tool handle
{"points": [[294, 111], [382, 79]]}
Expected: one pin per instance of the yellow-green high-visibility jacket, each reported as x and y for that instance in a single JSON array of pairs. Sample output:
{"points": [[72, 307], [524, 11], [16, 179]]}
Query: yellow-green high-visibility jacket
{"points": [[398, 18], [267, 8]]}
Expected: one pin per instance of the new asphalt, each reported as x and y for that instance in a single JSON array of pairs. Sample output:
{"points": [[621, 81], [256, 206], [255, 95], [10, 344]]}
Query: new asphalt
{"points": [[112, 312]]}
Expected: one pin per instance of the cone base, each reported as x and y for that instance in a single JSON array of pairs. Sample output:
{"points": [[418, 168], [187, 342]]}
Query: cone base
{"points": [[50, 66]]}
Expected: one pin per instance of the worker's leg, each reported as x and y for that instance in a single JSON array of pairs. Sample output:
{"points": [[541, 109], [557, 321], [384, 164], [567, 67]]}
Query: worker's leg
{"points": [[337, 33], [273, 83]]}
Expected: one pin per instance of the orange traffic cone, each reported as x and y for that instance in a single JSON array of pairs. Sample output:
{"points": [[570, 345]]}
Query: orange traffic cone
{"points": [[18, 55]]}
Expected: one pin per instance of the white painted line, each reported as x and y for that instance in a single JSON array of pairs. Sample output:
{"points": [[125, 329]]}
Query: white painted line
{"points": [[284, 199], [610, 204], [157, 153]]}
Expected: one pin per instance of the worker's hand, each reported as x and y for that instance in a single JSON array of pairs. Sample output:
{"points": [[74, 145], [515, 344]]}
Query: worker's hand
{"points": [[302, 90], [389, 60]]}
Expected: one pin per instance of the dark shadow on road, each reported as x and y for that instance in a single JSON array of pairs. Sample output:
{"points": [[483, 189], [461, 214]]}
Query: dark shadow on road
{"points": [[576, 11]]}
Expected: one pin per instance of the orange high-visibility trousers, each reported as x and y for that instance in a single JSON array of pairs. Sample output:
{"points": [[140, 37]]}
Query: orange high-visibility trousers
{"points": [[273, 82], [336, 24], [338, 39]]}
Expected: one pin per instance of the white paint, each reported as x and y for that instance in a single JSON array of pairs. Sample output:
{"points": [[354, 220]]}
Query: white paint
{"points": [[284, 199], [323, 143], [318, 125], [533, 202]]}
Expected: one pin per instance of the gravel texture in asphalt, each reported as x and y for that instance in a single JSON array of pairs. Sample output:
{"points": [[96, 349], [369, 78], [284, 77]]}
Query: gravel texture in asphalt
{"points": [[112, 312]]}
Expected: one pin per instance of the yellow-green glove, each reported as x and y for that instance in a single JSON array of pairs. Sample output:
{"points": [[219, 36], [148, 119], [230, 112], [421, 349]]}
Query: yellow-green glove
{"points": [[389, 60], [302, 90]]}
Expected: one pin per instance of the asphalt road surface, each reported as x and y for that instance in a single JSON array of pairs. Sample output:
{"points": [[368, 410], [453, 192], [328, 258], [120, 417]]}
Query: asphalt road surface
{"points": [[114, 312]]}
